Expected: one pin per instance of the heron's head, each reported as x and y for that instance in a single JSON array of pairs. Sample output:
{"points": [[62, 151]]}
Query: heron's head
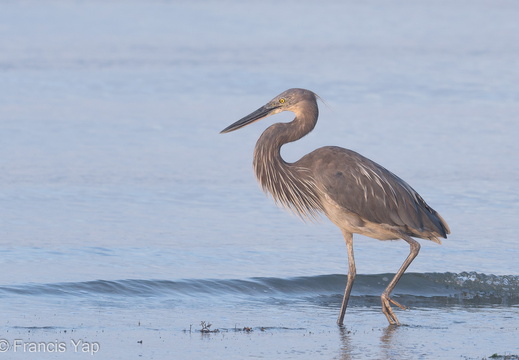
{"points": [[289, 100]]}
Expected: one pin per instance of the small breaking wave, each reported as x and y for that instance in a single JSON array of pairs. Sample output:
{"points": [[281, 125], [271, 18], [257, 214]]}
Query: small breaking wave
{"points": [[418, 289]]}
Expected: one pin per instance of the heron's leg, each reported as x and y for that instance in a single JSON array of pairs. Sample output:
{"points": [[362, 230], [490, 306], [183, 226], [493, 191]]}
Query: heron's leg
{"points": [[351, 276], [386, 300]]}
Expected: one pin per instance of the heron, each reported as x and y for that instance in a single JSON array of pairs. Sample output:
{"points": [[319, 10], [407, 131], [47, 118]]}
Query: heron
{"points": [[358, 195]]}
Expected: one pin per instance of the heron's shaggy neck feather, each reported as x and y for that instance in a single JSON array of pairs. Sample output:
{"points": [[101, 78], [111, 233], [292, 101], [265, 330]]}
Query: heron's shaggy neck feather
{"points": [[291, 186]]}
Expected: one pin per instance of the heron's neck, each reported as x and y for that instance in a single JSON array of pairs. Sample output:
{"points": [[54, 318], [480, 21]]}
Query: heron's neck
{"points": [[289, 184], [282, 133]]}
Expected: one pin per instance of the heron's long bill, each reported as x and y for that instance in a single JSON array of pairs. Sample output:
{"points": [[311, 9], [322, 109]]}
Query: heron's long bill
{"points": [[249, 119]]}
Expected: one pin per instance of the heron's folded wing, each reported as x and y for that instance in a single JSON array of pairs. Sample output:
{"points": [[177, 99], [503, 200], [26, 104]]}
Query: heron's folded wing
{"points": [[363, 187]]}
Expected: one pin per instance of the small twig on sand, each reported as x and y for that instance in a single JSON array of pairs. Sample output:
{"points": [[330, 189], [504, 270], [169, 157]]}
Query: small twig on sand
{"points": [[206, 328]]}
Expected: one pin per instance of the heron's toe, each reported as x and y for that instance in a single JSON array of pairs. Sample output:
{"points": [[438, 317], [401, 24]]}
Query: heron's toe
{"points": [[397, 304], [388, 310]]}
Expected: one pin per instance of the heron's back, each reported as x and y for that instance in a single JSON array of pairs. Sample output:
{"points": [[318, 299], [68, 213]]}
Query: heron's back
{"points": [[378, 197]]}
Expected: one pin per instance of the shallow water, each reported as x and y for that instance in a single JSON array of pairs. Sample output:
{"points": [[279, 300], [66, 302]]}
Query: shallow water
{"points": [[126, 216]]}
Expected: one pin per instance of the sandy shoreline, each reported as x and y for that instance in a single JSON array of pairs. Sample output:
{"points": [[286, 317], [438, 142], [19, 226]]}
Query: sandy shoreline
{"points": [[297, 333]]}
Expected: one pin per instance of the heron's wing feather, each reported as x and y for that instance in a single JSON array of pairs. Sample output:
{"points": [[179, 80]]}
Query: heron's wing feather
{"points": [[363, 187]]}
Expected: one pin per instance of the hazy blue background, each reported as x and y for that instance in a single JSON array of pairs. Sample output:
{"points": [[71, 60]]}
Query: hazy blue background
{"points": [[113, 167]]}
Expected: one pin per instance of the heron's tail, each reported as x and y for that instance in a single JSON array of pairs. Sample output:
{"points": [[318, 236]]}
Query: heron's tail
{"points": [[436, 228]]}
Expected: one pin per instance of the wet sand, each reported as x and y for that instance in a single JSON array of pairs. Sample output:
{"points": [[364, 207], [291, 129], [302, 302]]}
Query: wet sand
{"points": [[292, 332]]}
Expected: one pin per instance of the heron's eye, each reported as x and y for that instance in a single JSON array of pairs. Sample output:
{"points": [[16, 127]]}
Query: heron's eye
{"points": [[281, 101]]}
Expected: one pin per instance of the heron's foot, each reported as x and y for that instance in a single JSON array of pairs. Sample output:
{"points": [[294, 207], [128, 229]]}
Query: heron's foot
{"points": [[388, 310]]}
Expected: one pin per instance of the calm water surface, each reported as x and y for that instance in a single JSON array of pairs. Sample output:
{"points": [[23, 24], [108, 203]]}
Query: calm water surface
{"points": [[123, 205]]}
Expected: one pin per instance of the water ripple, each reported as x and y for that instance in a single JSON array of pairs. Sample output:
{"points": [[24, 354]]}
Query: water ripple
{"points": [[427, 289]]}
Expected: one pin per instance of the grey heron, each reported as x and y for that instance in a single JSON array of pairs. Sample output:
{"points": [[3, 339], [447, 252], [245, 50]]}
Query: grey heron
{"points": [[355, 193]]}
